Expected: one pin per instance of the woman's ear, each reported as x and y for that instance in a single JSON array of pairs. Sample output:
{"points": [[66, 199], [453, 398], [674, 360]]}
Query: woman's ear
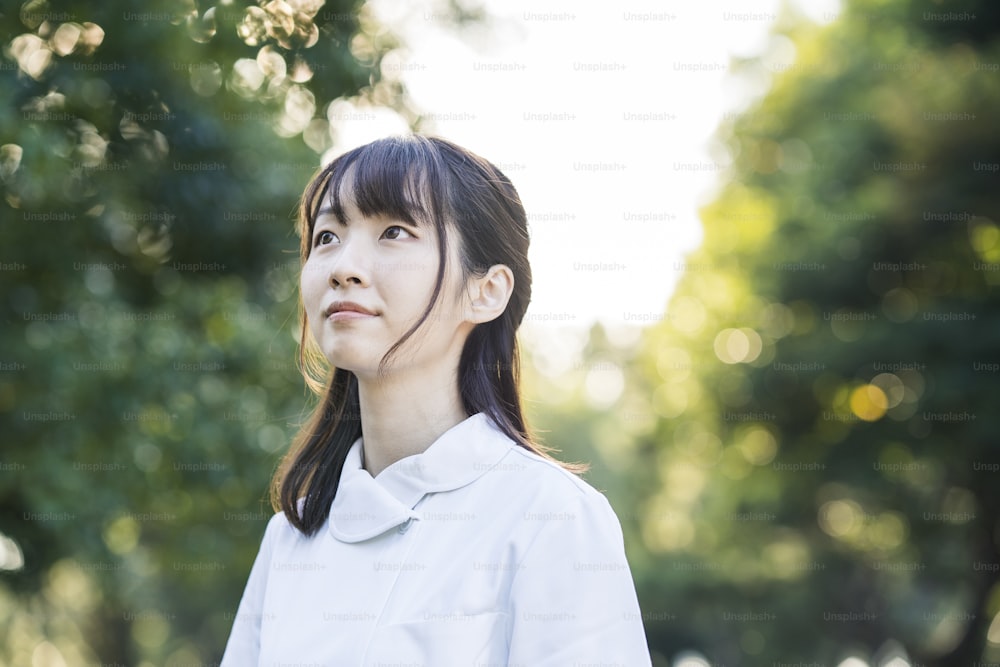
{"points": [[489, 294]]}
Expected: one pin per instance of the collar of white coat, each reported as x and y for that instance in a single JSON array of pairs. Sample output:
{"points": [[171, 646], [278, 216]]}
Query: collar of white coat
{"points": [[367, 506]]}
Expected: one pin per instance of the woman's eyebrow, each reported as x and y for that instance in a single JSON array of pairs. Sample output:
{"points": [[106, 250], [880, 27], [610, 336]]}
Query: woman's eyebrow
{"points": [[328, 210]]}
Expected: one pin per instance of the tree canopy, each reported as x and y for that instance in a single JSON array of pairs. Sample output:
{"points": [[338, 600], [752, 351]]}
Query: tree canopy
{"points": [[151, 156], [820, 457], [802, 452]]}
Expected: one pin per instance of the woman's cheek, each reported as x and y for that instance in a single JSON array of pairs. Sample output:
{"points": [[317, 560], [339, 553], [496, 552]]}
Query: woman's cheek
{"points": [[312, 293], [310, 285]]}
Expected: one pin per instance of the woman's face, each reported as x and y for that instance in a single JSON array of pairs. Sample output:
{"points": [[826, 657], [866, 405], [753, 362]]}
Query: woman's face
{"points": [[387, 268]]}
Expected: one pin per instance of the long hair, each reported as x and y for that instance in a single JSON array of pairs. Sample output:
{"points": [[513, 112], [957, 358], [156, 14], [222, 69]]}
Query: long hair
{"points": [[422, 180]]}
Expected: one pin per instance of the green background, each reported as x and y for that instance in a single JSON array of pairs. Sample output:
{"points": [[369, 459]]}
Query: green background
{"points": [[804, 457]]}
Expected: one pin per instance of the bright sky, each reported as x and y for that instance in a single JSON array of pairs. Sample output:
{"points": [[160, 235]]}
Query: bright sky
{"points": [[602, 115]]}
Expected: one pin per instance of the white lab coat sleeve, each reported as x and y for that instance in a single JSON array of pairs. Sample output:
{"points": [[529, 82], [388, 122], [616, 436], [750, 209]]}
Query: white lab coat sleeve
{"points": [[243, 647], [573, 600]]}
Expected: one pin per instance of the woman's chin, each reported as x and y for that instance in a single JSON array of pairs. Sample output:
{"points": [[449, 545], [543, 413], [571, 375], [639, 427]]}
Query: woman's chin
{"points": [[362, 367]]}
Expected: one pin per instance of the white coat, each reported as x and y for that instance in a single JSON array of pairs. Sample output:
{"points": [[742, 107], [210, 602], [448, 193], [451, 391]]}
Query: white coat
{"points": [[474, 552]]}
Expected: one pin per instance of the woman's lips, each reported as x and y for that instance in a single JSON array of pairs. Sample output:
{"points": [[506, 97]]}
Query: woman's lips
{"points": [[348, 315]]}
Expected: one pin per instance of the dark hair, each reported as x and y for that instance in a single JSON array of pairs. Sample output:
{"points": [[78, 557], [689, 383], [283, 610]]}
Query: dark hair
{"points": [[422, 180]]}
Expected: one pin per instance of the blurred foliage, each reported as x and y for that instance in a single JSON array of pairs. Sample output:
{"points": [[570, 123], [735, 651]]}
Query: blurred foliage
{"points": [[810, 434], [151, 157], [802, 453]]}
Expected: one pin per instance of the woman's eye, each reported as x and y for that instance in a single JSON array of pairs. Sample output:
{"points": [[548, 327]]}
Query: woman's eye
{"points": [[393, 232], [325, 237]]}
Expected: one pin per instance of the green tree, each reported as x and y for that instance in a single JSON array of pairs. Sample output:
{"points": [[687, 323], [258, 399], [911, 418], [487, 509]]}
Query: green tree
{"points": [[820, 476], [151, 157]]}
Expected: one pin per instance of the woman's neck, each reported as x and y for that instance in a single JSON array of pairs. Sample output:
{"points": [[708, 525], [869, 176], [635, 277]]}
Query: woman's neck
{"points": [[404, 414]]}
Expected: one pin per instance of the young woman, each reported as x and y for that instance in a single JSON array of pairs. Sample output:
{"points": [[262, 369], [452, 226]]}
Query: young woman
{"points": [[418, 524]]}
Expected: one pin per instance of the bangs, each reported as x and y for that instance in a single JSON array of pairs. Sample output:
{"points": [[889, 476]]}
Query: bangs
{"points": [[398, 178]]}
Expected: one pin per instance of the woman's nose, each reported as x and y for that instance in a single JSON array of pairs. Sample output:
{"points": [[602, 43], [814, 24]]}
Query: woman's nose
{"points": [[350, 264]]}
